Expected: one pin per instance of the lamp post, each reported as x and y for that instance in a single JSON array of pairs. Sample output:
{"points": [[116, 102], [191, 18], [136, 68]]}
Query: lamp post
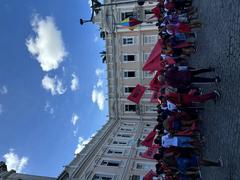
{"points": [[96, 7], [96, 3]]}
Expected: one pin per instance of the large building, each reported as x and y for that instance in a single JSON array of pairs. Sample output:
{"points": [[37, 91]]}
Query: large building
{"points": [[114, 152]]}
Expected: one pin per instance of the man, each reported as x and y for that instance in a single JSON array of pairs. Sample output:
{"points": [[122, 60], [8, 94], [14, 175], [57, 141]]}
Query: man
{"points": [[179, 99], [178, 78], [178, 141]]}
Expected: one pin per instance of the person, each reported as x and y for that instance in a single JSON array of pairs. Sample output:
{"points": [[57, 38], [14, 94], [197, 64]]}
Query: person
{"points": [[182, 27], [179, 141], [177, 123], [194, 161], [178, 100], [178, 78]]}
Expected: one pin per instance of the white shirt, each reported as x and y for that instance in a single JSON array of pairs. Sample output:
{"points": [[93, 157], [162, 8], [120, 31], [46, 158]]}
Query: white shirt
{"points": [[182, 68], [168, 141], [171, 106]]}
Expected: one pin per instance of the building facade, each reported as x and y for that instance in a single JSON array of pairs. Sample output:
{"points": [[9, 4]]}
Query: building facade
{"points": [[114, 152]]}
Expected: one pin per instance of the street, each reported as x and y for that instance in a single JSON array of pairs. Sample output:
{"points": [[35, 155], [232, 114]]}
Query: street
{"points": [[218, 45]]}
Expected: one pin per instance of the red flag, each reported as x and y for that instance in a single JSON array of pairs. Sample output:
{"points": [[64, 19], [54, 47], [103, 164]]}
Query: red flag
{"points": [[188, 132], [149, 139], [155, 84], [155, 96], [157, 12], [170, 61], [149, 175], [149, 153], [154, 60], [137, 93]]}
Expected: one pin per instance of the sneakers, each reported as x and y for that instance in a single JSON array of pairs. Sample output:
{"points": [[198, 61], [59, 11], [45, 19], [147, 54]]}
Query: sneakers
{"points": [[218, 95], [220, 161], [217, 79]]}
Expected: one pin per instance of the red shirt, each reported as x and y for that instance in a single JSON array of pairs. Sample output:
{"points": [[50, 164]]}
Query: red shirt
{"points": [[176, 78], [169, 6]]}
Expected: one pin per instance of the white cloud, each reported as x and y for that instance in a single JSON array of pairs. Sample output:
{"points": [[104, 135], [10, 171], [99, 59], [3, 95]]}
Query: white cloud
{"points": [[98, 97], [99, 83], [3, 90], [96, 39], [54, 85], [99, 72], [13, 161], [75, 132], [48, 46], [1, 109], [74, 82], [90, 3], [97, 92], [74, 119], [48, 108], [82, 143]]}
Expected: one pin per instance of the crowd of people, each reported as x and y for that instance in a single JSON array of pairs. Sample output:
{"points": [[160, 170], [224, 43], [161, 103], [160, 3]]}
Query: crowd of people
{"points": [[176, 139]]}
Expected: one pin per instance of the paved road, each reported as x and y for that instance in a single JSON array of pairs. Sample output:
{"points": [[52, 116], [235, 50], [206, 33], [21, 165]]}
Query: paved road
{"points": [[219, 46]]}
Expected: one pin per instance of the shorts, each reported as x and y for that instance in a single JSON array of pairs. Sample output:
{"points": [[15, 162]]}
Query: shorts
{"points": [[184, 141], [180, 37], [184, 163], [177, 125]]}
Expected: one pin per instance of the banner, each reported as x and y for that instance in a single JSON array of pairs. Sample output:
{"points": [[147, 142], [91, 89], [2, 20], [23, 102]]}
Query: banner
{"points": [[148, 141], [137, 93], [149, 153]]}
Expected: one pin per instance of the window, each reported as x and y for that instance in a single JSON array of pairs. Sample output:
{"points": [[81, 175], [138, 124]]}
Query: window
{"points": [[147, 92], [127, 40], [110, 163], [125, 15], [129, 124], [124, 135], [144, 166], [148, 13], [102, 177], [120, 142], [147, 130], [150, 108], [150, 39], [128, 89], [126, 129], [130, 108], [128, 58], [149, 125], [143, 136], [145, 56], [140, 151], [135, 177], [129, 74], [147, 74], [115, 151]]}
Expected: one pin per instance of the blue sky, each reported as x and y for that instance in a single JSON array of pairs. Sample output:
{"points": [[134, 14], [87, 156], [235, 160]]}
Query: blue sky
{"points": [[52, 83]]}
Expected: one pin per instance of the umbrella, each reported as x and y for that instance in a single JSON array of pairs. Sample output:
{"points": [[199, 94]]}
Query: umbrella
{"points": [[130, 23]]}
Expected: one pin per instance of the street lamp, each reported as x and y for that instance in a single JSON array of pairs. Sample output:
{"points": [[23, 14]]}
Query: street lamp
{"points": [[96, 7], [84, 21], [96, 3]]}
